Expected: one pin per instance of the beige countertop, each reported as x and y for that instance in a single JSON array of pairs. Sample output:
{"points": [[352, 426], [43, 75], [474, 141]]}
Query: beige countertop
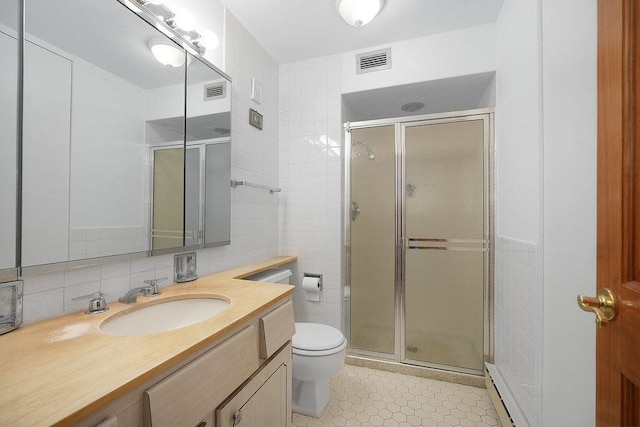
{"points": [[60, 370]]}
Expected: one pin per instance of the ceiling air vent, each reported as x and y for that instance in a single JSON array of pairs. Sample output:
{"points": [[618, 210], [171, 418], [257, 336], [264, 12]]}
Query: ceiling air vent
{"points": [[215, 91], [373, 61]]}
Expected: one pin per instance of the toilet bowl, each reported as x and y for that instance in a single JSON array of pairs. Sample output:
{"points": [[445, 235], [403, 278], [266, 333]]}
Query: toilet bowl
{"points": [[318, 354]]}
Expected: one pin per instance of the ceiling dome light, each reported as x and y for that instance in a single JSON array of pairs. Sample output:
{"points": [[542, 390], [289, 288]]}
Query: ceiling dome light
{"points": [[167, 53], [358, 12]]}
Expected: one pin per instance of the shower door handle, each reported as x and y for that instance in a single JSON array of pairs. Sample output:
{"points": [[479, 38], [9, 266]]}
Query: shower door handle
{"points": [[439, 244]]}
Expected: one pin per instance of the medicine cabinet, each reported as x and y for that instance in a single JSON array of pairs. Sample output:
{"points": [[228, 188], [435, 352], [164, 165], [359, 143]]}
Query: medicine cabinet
{"points": [[121, 155]]}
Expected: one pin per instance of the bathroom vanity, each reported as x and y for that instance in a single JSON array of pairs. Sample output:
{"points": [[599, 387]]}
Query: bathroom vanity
{"points": [[231, 369]]}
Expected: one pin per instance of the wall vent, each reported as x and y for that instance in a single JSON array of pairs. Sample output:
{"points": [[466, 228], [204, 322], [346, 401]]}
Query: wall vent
{"points": [[373, 61], [215, 91]]}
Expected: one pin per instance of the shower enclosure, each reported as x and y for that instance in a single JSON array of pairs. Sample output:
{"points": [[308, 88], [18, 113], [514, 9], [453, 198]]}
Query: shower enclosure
{"points": [[417, 240]]}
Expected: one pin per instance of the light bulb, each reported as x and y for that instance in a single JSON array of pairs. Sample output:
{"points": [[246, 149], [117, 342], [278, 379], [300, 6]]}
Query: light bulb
{"points": [[185, 20], [209, 40]]}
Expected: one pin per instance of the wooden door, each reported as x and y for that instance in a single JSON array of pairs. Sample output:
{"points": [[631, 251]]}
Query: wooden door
{"points": [[618, 341]]}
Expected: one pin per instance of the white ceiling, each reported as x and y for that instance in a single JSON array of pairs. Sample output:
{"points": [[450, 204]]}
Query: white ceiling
{"points": [[108, 35], [294, 30]]}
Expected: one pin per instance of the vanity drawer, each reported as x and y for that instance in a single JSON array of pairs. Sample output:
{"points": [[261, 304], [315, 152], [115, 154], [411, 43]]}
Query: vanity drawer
{"points": [[276, 328], [188, 395]]}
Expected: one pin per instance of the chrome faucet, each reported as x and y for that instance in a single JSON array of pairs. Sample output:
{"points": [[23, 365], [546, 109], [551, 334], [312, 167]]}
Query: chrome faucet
{"points": [[151, 290]]}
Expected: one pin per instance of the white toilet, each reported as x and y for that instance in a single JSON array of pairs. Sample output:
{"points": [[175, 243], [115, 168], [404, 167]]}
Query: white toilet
{"points": [[318, 354]]}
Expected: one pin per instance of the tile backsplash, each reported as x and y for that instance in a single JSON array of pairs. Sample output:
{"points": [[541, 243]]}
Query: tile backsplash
{"points": [[52, 294]]}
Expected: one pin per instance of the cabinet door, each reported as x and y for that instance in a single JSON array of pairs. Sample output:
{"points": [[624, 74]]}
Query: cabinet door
{"points": [[265, 400], [267, 407], [189, 394]]}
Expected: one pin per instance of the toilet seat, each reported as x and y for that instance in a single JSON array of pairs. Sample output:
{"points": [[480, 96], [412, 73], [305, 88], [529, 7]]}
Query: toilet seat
{"points": [[316, 339]]}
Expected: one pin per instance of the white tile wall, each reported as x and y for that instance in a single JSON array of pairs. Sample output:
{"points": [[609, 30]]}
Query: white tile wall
{"points": [[254, 213], [254, 152], [311, 180], [518, 337]]}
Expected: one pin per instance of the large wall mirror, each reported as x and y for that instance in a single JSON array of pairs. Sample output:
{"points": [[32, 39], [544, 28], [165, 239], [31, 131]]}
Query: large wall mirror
{"points": [[9, 19], [122, 154]]}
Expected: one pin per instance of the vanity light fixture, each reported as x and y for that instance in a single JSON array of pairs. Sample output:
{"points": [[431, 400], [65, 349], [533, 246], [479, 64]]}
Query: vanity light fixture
{"points": [[165, 31], [166, 53], [158, 9], [208, 40], [189, 49], [184, 20], [358, 12], [132, 6]]}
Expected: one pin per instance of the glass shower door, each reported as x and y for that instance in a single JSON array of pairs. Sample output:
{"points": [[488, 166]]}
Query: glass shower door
{"points": [[168, 199], [371, 217], [445, 243]]}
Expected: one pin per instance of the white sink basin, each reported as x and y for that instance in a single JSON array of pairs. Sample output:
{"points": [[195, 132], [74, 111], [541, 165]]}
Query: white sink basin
{"points": [[164, 316]]}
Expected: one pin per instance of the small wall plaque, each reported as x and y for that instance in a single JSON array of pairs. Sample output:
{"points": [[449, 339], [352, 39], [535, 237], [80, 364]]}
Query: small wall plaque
{"points": [[255, 118]]}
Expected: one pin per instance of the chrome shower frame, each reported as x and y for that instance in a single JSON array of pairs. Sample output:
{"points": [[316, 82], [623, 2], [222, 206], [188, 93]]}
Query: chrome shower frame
{"points": [[400, 123]]}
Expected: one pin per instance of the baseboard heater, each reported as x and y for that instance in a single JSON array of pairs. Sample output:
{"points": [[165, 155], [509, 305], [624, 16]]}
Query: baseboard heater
{"points": [[498, 403]]}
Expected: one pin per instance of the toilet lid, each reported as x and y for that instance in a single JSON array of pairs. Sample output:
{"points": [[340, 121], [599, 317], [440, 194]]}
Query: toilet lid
{"points": [[316, 336]]}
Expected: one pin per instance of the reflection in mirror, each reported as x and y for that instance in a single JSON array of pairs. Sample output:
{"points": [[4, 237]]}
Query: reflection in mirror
{"points": [[91, 86], [168, 187], [208, 164], [208, 146], [217, 229], [105, 134], [9, 16]]}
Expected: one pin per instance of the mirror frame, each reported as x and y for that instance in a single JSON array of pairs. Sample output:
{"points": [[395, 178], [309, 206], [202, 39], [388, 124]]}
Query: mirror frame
{"points": [[19, 271], [13, 273]]}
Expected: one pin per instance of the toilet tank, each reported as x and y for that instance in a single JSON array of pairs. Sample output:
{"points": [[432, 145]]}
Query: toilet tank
{"points": [[276, 275]]}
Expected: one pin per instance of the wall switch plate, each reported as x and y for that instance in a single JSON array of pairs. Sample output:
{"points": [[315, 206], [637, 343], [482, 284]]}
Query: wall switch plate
{"points": [[256, 91]]}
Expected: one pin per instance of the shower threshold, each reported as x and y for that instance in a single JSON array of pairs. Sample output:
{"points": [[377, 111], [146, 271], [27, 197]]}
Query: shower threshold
{"points": [[473, 380]]}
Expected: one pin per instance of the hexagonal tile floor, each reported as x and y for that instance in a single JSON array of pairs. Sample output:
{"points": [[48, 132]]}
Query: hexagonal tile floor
{"points": [[367, 397]]}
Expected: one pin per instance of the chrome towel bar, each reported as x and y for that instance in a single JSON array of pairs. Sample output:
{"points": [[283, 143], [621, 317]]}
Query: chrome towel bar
{"points": [[271, 190]]}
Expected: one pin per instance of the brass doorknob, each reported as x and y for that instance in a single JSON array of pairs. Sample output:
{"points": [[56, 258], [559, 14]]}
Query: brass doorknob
{"points": [[604, 306]]}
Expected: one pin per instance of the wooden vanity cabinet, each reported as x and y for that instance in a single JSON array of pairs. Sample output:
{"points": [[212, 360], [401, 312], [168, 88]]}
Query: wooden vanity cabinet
{"points": [[249, 372], [265, 399], [189, 394]]}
